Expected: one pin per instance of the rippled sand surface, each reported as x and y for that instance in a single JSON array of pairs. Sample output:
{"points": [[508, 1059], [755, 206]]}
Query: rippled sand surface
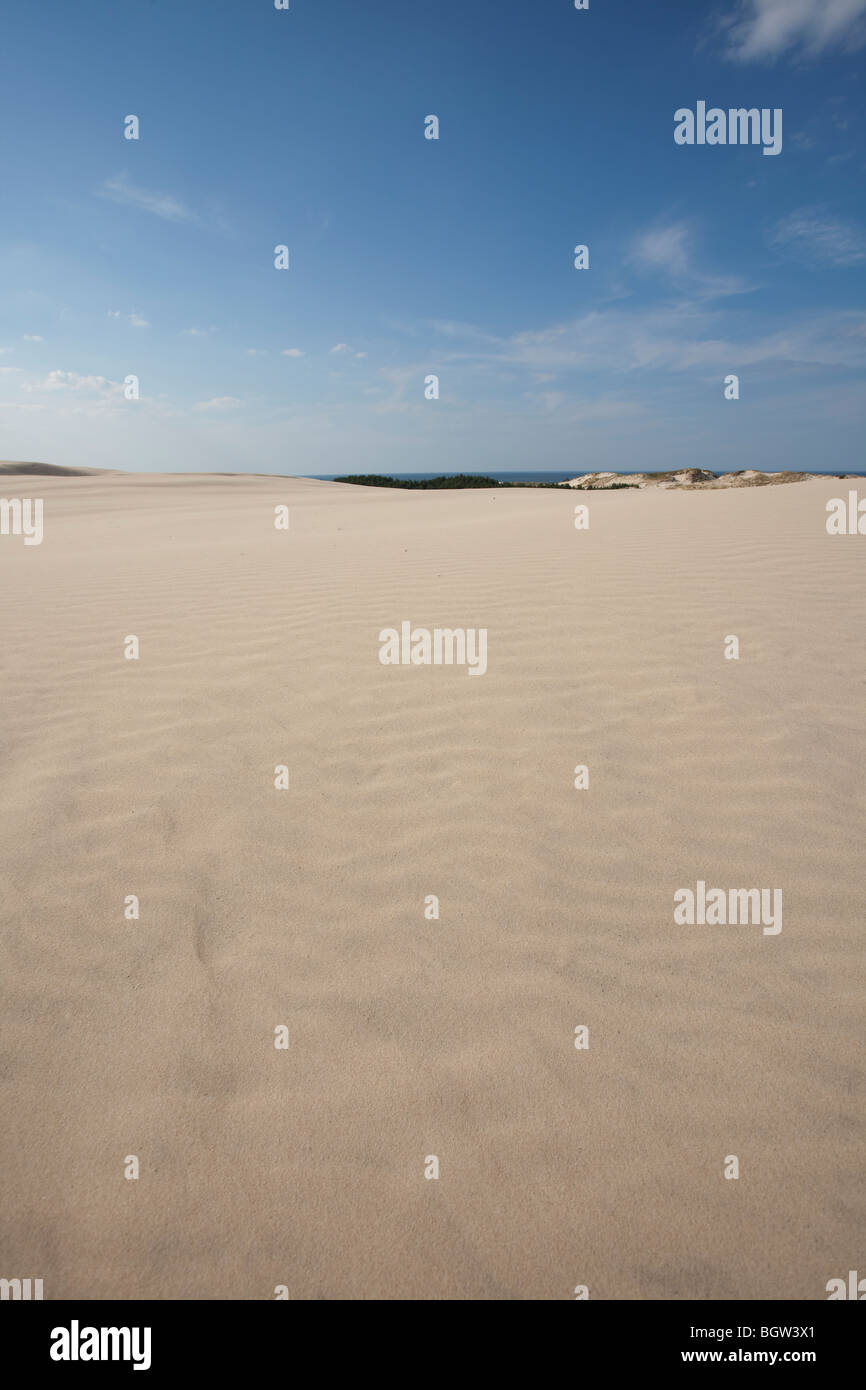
{"points": [[411, 1037]]}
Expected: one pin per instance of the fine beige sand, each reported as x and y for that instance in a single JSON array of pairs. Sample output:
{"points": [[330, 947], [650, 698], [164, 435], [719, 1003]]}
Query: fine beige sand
{"points": [[410, 1037]]}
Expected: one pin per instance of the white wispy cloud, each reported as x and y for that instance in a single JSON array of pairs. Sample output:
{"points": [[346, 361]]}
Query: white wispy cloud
{"points": [[401, 379], [74, 381], [762, 30], [672, 338], [292, 352], [576, 412], [135, 320], [813, 234], [341, 348], [218, 403], [120, 190], [663, 248], [667, 249], [455, 328], [546, 400], [33, 338]]}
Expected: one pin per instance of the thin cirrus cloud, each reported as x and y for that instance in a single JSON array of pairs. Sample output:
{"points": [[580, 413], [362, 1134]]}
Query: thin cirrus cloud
{"points": [[292, 352], [120, 190], [663, 248], [667, 250], [762, 30], [811, 234], [670, 339], [135, 320], [218, 403]]}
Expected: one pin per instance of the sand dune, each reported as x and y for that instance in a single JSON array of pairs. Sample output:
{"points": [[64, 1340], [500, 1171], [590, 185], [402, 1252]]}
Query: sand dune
{"points": [[692, 478], [411, 1037], [50, 470]]}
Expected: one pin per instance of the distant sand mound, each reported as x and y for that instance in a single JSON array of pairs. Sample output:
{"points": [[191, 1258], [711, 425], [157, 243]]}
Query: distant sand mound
{"points": [[53, 470], [687, 478]]}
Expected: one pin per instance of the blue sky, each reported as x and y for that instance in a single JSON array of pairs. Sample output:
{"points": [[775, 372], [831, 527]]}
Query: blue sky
{"points": [[409, 256]]}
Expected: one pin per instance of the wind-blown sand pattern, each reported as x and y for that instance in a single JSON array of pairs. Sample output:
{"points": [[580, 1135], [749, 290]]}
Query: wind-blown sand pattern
{"points": [[410, 1037]]}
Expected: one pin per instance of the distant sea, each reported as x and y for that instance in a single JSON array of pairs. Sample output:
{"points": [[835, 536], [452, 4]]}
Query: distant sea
{"points": [[517, 477], [445, 473]]}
